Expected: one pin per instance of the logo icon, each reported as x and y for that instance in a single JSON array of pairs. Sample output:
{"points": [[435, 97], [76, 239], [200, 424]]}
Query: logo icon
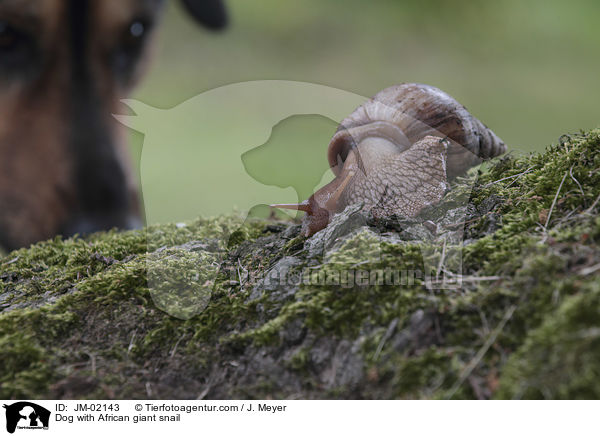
{"points": [[26, 415]]}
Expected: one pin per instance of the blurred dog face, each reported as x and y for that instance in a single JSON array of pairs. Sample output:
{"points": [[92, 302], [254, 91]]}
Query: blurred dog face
{"points": [[64, 66]]}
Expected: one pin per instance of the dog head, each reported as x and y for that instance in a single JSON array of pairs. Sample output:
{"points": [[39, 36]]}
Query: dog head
{"points": [[64, 66]]}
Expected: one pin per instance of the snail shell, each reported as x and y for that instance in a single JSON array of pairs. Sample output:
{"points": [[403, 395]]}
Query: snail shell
{"points": [[407, 113], [396, 152]]}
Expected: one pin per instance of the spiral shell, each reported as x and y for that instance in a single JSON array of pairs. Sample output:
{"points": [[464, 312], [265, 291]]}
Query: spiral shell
{"points": [[396, 152], [405, 114]]}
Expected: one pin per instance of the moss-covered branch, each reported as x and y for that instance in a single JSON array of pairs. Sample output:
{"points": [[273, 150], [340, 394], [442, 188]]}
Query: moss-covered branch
{"points": [[79, 317]]}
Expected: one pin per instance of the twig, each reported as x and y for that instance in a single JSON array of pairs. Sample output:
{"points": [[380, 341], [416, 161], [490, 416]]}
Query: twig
{"points": [[174, 350], [461, 223], [554, 201], [591, 333], [93, 362], [460, 278], [528, 170], [12, 261], [131, 342], [576, 181], [204, 392], [589, 270], [441, 263], [385, 337], [149, 391], [475, 361], [240, 275], [363, 262], [589, 209]]}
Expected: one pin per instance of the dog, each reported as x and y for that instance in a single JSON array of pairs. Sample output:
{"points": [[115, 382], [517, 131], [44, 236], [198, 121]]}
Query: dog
{"points": [[64, 66]]}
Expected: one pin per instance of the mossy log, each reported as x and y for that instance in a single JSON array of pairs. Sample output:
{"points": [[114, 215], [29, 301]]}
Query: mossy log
{"points": [[89, 317]]}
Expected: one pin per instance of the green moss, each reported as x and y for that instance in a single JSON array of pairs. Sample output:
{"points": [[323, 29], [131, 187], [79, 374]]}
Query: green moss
{"points": [[560, 359], [96, 317], [299, 360], [22, 365]]}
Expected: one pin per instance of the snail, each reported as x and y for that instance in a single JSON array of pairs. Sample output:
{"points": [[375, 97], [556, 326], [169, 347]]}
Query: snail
{"points": [[396, 154]]}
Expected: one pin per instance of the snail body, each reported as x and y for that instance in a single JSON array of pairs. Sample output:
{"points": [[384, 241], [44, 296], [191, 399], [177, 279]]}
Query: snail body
{"points": [[396, 153]]}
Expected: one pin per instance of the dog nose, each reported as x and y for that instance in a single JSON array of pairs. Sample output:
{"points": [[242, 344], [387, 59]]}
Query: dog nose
{"points": [[87, 223]]}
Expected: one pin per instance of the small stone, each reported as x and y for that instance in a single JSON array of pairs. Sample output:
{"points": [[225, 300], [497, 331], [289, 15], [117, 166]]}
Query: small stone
{"points": [[342, 224]]}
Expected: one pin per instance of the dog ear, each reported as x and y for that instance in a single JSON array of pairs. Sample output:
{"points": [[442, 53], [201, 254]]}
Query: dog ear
{"points": [[210, 13]]}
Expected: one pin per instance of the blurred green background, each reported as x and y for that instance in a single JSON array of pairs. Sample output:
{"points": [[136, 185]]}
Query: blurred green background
{"points": [[528, 69]]}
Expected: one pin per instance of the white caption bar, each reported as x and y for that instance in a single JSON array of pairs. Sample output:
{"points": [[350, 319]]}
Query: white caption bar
{"points": [[298, 417]]}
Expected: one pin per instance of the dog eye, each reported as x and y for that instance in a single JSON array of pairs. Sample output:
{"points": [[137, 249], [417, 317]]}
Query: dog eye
{"points": [[130, 47], [137, 29], [134, 35], [16, 47], [7, 36]]}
